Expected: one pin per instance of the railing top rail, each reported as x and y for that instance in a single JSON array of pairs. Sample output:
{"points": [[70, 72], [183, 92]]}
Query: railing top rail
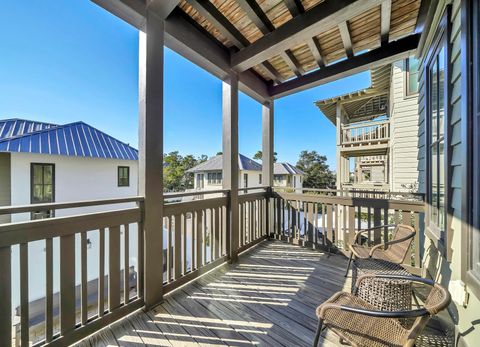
{"points": [[354, 191], [253, 188], [365, 125], [65, 205], [195, 193]]}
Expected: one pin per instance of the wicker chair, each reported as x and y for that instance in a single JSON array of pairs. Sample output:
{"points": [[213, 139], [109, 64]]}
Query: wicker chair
{"points": [[393, 251], [358, 323]]}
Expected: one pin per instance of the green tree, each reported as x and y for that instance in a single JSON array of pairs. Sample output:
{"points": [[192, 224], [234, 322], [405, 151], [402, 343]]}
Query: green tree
{"points": [[175, 177], [317, 171], [258, 156]]}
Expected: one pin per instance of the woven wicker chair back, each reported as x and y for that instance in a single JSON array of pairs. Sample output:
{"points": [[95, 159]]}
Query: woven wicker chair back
{"points": [[398, 251]]}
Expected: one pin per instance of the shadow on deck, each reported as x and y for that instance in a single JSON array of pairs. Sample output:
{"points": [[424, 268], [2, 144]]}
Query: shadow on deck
{"points": [[268, 298]]}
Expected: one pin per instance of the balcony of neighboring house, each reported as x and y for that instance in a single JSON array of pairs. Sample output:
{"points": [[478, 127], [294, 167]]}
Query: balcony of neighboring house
{"points": [[365, 138]]}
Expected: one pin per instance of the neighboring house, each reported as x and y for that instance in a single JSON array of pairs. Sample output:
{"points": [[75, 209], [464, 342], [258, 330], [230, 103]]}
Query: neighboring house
{"points": [[42, 163], [208, 175], [287, 175], [377, 129]]}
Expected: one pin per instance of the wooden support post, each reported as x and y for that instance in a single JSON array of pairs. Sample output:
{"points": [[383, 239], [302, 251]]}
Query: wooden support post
{"points": [[151, 59], [230, 160], [267, 156]]}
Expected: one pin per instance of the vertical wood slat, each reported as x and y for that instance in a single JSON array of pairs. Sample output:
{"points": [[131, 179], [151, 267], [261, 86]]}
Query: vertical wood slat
{"points": [[199, 231], [140, 261], [48, 289], [126, 264], [279, 229], [83, 281], [241, 214], [324, 229], [351, 225], [377, 233], [329, 224], [385, 222], [210, 232], [169, 248], [6, 295], [315, 224], [178, 248], [336, 211], [416, 243], [67, 283], [24, 309], [217, 233], [183, 223], [113, 267], [101, 271]]}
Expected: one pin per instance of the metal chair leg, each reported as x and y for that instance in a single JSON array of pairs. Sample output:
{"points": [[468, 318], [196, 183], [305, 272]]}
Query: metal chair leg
{"points": [[349, 263], [319, 331]]}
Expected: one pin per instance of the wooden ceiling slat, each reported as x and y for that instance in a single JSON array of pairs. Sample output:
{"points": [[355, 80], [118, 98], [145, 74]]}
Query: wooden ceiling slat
{"points": [[272, 72], [276, 11], [308, 4]]}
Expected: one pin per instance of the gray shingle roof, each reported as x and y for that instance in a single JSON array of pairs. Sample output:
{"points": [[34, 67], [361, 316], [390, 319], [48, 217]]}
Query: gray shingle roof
{"points": [[216, 164], [286, 169]]}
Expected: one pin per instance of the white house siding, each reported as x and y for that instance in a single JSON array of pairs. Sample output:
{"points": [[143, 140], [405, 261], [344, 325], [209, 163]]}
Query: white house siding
{"points": [[4, 184], [76, 178], [435, 262], [403, 132]]}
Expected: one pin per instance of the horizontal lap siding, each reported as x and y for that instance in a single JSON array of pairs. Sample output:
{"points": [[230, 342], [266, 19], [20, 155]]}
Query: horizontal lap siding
{"points": [[404, 129]]}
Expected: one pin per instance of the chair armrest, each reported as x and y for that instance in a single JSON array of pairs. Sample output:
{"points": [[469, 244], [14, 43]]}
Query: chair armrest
{"points": [[361, 231], [372, 313], [388, 243]]}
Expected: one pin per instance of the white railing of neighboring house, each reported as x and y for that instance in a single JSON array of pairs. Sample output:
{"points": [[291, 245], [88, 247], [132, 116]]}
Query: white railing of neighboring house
{"points": [[366, 133]]}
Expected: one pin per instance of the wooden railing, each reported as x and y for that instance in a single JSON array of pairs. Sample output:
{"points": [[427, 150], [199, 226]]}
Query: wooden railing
{"points": [[59, 318], [196, 239], [365, 133], [330, 222]]}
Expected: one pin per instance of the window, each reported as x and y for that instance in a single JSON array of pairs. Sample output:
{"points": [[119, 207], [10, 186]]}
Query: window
{"points": [[42, 188], [245, 180], [437, 123], [214, 178], [123, 176], [411, 76], [259, 178], [278, 178]]}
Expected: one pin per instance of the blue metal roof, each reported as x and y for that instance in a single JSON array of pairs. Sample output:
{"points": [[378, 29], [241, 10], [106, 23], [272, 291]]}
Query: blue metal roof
{"points": [[74, 139]]}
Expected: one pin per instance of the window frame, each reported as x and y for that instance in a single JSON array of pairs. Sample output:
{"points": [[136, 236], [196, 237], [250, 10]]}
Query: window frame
{"points": [[406, 65], [118, 176], [41, 214], [439, 237], [214, 178], [470, 273]]}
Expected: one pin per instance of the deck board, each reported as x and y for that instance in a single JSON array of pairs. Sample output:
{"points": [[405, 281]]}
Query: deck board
{"points": [[268, 298]]}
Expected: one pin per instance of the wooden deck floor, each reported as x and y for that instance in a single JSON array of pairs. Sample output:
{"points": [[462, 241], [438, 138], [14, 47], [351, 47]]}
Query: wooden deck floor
{"points": [[268, 299]]}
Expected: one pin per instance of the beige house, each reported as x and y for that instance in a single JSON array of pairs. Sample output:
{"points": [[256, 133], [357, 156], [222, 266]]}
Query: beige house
{"points": [[377, 130], [208, 175]]}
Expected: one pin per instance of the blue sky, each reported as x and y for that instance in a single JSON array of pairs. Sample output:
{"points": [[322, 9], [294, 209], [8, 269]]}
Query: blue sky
{"points": [[64, 61]]}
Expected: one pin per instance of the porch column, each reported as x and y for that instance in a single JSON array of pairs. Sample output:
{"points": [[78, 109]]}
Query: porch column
{"points": [[268, 154], [150, 183], [339, 124], [230, 160]]}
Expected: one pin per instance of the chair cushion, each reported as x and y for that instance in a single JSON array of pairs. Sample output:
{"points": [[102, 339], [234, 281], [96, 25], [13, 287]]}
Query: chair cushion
{"points": [[362, 330]]}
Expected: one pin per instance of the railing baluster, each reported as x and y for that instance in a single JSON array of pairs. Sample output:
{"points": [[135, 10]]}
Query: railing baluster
{"points": [[178, 247], [377, 220], [210, 233], [48, 289], [217, 233], [351, 225], [101, 271], [113, 267], [126, 264], [199, 232], [67, 284], [193, 237], [24, 303], [83, 282], [241, 214], [329, 224], [6, 295], [183, 223], [169, 248]]}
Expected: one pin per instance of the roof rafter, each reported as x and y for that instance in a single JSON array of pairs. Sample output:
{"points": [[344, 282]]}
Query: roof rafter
{"points": [[383, 55], [292, 62], [386, 12], [295, 7], [314, 47], [256, 15], [302, 27], [346, 39]]}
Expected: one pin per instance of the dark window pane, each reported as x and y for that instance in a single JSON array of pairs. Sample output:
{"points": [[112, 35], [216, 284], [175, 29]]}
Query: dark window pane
{"points": [[37, 174], [48, 174], [441, 91], [434, 102]]}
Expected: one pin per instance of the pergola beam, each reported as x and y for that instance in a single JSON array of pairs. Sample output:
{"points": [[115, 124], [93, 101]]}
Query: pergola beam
{"points": [[386, 12], [256, 15], [190, 41], [314, 47], [383, 55], [301, 28], [272, 72], [292, 62], [295, 7], [346, 39]]}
